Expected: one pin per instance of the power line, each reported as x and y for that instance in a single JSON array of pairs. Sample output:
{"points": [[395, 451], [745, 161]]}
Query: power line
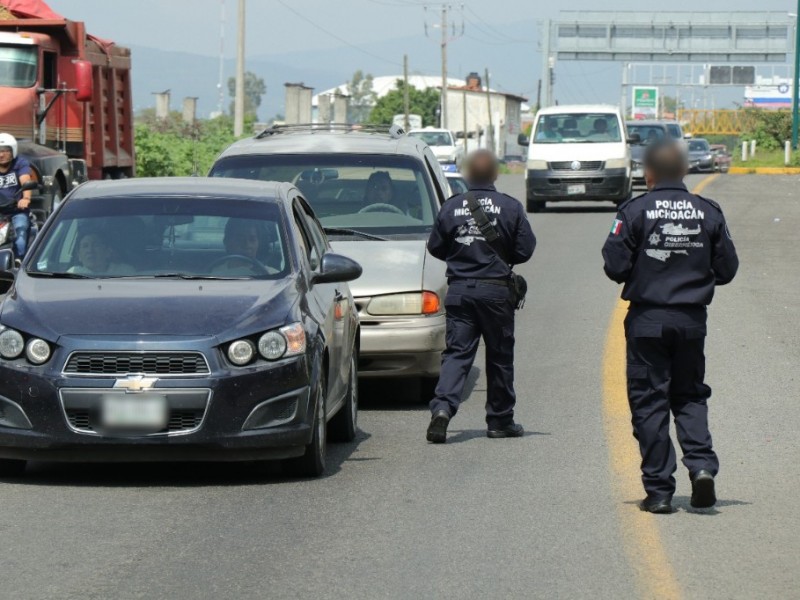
{"points": [[336, 37]]}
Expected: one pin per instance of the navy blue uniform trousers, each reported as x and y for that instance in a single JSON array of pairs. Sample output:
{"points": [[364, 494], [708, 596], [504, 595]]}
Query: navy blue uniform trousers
{"points": [[666, 371], [476, 309]]}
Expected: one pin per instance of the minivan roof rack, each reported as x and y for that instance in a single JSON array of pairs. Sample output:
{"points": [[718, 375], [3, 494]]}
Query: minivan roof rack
{"points": [[394, 131]]}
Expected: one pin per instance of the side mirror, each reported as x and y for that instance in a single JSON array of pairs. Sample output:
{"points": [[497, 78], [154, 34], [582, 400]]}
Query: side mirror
{"points": [[83, 80], [523, 140], [634, 138], [6, 260], [336, 268]]}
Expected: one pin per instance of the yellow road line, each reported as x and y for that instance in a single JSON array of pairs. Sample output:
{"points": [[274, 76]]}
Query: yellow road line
{"points": [[654, 575]]}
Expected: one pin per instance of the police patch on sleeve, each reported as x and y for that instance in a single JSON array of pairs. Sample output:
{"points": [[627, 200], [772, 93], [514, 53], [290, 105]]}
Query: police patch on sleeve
{"points": [[616, 227]]}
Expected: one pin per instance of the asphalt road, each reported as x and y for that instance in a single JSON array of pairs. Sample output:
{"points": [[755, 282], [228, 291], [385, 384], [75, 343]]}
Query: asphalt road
{"points": [[545, 516]]}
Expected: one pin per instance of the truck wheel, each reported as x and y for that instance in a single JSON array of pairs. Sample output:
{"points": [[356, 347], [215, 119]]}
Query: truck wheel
{"points": [[535, 206]]}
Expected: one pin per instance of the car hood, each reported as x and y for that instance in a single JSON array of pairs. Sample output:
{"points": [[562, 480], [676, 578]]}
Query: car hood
{"points": [[444, 151], [389, 266], [51, 308]]}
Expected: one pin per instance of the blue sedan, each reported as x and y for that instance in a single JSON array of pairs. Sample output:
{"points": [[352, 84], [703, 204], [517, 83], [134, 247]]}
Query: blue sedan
{"points": [[178, 319]]}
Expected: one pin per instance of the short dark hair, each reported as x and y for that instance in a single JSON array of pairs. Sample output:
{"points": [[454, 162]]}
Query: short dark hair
{"points": [[482, 167], [666, 160]]}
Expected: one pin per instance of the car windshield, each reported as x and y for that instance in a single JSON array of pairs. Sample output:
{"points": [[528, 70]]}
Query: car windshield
{"points": [[458, 185], [433, 138], [17, 66], [698, 146], [194, 238], [577, 128], [647, 133], [385, 195]]}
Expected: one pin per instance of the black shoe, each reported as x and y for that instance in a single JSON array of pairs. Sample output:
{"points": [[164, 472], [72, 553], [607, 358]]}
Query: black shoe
{"points": [[512, 430], [703, 494], [658, 506], [437, 430]]}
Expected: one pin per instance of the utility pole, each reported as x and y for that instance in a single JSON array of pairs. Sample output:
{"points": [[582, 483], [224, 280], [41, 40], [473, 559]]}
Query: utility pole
{"points": [[220, 82], [547, 65], [406, 124], [796, 79], [539, 96], [444, 41], [490, 130], [238, 101], [464, 103]]}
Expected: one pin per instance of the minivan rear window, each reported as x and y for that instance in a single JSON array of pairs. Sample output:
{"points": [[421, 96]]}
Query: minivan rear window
{"points": [[577, 128]]}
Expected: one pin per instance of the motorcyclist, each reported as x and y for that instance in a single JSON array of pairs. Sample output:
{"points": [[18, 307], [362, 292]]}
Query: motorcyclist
{"points": [[15, 171]]}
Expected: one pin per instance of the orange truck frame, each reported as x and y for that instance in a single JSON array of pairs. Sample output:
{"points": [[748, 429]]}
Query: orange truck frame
{"points": [[67, 97]]}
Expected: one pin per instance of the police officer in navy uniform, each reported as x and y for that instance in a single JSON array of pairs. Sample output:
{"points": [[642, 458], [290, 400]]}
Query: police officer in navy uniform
{"points": [[478, 301], [669, 248]]}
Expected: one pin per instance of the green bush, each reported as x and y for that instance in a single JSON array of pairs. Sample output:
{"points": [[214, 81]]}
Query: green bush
{"points": [[770, 129]]}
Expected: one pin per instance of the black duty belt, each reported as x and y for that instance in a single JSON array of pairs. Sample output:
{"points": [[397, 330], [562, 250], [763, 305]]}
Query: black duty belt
{"points": [[500, 282]]}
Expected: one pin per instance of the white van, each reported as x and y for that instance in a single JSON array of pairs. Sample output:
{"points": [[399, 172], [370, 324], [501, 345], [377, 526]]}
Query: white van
{"points": [[577, 152]]}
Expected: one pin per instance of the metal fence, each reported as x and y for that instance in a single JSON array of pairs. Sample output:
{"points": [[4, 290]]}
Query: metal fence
{"points": [[716, 122]]}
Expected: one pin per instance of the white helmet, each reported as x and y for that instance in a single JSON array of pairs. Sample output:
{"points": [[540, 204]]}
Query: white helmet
{"points": [[6, 139]]}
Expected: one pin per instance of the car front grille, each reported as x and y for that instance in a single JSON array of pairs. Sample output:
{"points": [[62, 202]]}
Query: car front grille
{"points": [[145, 363], [585, 165], [180, 420]]}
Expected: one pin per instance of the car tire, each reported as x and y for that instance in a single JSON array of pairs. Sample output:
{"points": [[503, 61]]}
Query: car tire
{"points": [[10, 467], [427, 388], [312, 462], [536, 206], [344, 426]]}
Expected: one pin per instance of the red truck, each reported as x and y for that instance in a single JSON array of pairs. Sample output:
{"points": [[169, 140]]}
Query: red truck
{"points": [[66, 96]]}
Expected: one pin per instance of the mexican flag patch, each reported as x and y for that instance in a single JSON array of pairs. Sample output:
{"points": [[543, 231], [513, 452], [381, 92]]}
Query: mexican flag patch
{"points": [[616, 227]]}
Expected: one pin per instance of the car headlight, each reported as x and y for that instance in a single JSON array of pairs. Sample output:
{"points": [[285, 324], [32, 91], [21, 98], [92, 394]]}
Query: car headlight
{"points": [[11, 344], [537, 165], [241, 352], [286, 341], [37, 351], [416, 303], [708, 157], [617, 163]]}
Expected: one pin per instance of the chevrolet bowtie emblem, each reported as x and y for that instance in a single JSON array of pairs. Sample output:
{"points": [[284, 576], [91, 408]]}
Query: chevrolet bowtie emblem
{"points": [[135, 383]]}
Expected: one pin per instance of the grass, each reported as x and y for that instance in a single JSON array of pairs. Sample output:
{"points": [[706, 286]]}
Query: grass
{"points": [[765, 158]]}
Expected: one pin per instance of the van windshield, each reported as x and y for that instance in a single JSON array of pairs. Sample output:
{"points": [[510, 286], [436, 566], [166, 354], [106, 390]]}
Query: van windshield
{"points": [[577, 128]]}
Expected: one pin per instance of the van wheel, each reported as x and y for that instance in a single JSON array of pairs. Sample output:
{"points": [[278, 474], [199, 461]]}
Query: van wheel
{"points": [[535, 206]]}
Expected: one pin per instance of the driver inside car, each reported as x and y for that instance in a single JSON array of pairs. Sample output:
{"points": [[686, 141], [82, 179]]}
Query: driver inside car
{"points": [[242, 244], [380, 190]]}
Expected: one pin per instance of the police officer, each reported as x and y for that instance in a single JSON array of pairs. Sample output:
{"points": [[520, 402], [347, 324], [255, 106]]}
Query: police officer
{"points": [[478, 301], [14, 172], [670, 248]]}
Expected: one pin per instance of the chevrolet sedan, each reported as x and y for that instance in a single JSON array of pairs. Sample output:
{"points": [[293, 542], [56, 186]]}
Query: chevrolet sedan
{"points": [[178, 319]]}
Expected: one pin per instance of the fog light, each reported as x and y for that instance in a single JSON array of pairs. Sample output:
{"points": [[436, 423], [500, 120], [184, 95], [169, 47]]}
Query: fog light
{"points": [[241, 352], [37, 351], [11, 344]]}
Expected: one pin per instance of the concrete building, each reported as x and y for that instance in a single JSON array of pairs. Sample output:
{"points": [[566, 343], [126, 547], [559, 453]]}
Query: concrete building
{"points": [[470, 96]]}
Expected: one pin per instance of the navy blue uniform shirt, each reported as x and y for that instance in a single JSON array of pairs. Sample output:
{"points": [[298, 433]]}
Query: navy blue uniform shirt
{"points": [[457, 240], [670, 247], [9, 181]]}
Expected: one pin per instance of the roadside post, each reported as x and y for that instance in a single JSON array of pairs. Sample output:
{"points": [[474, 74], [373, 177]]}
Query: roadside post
{"points": [[752, 148], [787, 153], [744, 151]]}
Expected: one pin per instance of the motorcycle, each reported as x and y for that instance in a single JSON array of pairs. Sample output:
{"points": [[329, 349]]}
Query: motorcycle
{"points": [[7, 209]]}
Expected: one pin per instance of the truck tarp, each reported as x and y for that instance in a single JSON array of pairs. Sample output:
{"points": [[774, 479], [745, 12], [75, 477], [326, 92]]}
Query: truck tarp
{"points": [[38, 9]]}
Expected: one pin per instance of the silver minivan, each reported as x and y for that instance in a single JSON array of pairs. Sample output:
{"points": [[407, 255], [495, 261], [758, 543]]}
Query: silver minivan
{"points": [[376, 194]]}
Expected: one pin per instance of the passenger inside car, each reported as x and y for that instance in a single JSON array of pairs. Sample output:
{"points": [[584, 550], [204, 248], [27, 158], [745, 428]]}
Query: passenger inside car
{"points": [[570, 128], [380, 191], [95, 255], [599, 129], [242, 244]]}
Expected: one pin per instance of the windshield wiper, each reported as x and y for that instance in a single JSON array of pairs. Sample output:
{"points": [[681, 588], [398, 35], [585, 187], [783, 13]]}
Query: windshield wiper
{"points": [[183, 276], [355, 232], [59, 275]]}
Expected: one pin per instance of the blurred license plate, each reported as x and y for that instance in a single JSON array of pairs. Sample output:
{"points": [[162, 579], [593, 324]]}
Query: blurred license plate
{"points": [[134, 410], [578, 188]]}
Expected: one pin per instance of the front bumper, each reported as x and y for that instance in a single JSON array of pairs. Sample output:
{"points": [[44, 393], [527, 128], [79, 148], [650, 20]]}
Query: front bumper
{"points": [[701, 165], [401, 347], [571, 186], [253, 413]]}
